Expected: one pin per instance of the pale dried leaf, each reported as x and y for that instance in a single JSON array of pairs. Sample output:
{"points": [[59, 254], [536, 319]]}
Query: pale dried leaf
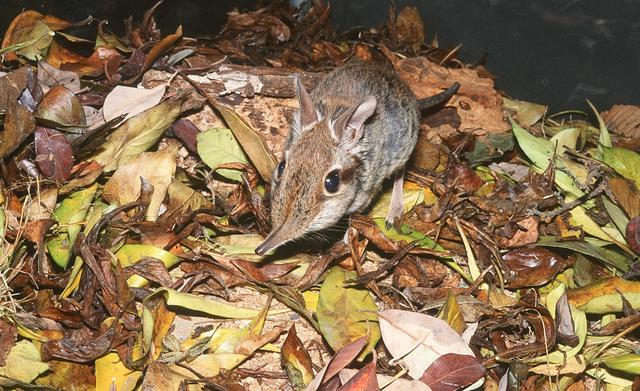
{"points": [[419, 339], [130, 101]]}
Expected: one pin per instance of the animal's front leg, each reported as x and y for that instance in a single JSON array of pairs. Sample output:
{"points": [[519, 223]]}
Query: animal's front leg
{"points": [[395, 207]]}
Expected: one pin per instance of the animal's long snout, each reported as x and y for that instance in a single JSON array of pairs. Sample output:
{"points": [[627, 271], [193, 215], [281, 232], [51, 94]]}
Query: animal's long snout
{"points": [[274, 240]]}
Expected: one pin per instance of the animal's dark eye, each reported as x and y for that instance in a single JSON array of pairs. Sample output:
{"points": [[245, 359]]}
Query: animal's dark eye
{"points": [[281, 167], [332, 181]]}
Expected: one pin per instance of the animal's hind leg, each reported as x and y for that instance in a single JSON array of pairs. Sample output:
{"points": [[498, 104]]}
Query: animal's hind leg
{"points": [[395, 207]]}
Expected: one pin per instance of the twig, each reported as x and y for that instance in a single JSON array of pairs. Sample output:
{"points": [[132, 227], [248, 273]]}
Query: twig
{"points": [[547, 216], [367, 277]]}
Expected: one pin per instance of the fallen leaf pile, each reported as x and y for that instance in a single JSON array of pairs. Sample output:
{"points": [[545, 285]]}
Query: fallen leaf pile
{"points": [[135, 188]]}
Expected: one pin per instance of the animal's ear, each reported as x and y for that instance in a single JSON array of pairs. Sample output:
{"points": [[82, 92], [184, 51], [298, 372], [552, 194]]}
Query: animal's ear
{"points": [[348, 126], [307, 114]]}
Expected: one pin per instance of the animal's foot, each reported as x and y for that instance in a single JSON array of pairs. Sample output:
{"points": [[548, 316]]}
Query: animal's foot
{"points": [[396, 209], [394, 215]]}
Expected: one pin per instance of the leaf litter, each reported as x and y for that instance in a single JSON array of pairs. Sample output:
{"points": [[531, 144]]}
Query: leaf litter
{"points": [[135, 189]]}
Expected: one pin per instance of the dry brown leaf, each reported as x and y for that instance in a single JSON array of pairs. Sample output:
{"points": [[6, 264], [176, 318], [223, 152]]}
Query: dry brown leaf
{"points": [[53, 153], [626, 195], [41, 207], [527, 233], [410, 28], [49, 76], [22, 26], [623, 120], [157, 51], [92, 66], [18, 125], [61, 107], [478, 106], [157, 168]]}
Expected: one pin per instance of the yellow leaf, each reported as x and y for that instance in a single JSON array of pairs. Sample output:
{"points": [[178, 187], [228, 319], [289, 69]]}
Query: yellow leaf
{"points": [[132, 253], [23, 362], [410, 198], [245, 340], [574, 365], [111, 374], [207, 306], [346, 314], [156, 322], [450, 313], [209, 365], [311, 299]]}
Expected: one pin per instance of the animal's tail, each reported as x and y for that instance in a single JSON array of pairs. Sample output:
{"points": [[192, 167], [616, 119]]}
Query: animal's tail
{"points": [[440, 98]]}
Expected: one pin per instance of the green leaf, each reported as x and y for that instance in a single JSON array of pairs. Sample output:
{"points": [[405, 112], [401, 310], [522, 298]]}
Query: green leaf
{"points": [[137, 134], [537, 149], [605, 138], [70, 214], [541, 151], [218, 146], [618, 217], [251, 141], [346, 314], [34, 44], [528, 113], [624, 161], [628, 363], [613, 382], [605, 255], [94, 214], [490, 147], [408, 235]]}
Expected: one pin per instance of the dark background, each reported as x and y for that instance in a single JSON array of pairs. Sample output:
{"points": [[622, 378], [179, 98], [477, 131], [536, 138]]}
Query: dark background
{"points": [[552, 52]]}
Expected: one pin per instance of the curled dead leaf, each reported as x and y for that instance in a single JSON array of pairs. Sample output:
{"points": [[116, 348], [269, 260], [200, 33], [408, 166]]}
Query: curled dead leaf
{"points": [[61, 108], [531, 266], [157, 168], [623, 120], [93, 66], [19, 124]]}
